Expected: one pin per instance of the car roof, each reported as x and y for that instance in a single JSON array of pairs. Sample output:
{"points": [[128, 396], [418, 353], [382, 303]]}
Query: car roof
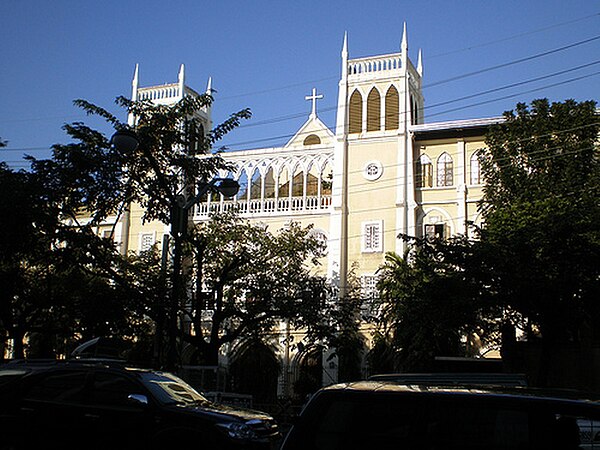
{"points": [[36, 365], [514, 392], [455, 378]]}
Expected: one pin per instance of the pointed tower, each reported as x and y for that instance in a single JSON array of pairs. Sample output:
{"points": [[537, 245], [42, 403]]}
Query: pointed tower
{"points": [[378, 98], [169, 94]]}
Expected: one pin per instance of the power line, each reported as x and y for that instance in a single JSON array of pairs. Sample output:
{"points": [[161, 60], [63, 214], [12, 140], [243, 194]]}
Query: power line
{"points": [[516, 36], [288, 136], [511, 63]]}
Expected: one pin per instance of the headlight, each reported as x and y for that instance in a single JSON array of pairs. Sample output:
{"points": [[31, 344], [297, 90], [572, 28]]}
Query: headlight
{"points": [[238, 430]]}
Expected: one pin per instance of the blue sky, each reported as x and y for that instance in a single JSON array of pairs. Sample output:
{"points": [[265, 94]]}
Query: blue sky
{"points": [[268, 55]]}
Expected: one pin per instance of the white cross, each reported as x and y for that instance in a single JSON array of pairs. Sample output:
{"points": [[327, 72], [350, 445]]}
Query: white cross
{"points": [[314, 97]]}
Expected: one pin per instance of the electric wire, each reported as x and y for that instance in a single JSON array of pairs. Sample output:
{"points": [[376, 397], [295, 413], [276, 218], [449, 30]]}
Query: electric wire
{"points": [[518, 61]]}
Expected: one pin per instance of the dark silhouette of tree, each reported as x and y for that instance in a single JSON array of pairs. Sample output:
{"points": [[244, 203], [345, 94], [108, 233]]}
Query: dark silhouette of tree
{"points": [[430, 299], [542, 218]]}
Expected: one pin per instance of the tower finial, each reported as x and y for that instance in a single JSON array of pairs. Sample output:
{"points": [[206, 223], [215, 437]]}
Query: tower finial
{"points": [[404, 45], [209, 89], [420, 63], [135, 83], [182, 73], [182, 81], [136, 78], [345, 56]]}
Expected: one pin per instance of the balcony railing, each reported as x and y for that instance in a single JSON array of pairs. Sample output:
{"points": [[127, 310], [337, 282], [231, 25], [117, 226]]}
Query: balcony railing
{"points": [[265, 207]]}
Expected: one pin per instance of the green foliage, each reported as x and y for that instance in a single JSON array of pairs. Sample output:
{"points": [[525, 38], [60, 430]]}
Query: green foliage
{"points": [[249, 278], [542, 216], [59, 278], [94, 176], [430, 299]]}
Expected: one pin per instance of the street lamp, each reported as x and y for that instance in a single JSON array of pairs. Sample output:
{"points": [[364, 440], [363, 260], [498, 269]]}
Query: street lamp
{"points": [[125, 140]]}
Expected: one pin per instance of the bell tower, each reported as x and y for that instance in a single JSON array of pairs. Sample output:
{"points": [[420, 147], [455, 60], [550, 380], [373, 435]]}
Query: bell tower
{"points": [[379, 98]]}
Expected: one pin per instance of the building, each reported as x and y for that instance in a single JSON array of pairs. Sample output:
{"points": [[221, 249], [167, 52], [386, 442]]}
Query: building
{"points": [[382, 171]]}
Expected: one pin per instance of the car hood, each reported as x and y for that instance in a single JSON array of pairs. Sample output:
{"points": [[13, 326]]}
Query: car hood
{"points": [[217, 411]]}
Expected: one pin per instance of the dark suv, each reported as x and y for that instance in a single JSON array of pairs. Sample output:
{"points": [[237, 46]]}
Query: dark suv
{"points": [[385, 416], [104, 405]]}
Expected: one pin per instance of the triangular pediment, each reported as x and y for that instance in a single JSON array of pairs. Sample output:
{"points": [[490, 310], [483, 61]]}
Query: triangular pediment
{"points": [[314, 133]]}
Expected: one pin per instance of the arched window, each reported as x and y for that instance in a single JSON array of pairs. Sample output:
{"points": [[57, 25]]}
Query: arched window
{"points": [[475, 168], [392, 107], [374, 110], [270, 183], [312, 139], [326, 179], [242, 194], [284, 183], [312, 180], [298, 184], [445, 170], [355, 113], [424, 172], [255, 184]]}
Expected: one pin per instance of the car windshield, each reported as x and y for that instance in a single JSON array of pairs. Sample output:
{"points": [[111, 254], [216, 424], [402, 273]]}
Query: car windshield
{"points": [[168, 389]]}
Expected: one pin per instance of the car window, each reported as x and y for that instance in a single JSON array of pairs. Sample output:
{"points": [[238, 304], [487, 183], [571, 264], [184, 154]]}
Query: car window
{"points": [[60, 387], [168, 389], [110, 389]]}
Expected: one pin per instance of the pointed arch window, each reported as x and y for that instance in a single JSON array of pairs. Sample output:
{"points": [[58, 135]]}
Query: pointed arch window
{"points": [[312, 180], [374, 110], [392, 107], [255, 183], [270, 183], [284, 183], [475, 168], [424, 172], [445, 170], [355, 113], [326, 179]]}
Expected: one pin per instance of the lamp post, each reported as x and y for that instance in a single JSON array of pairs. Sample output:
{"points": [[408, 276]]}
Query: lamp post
{"points": [[126, 140]]}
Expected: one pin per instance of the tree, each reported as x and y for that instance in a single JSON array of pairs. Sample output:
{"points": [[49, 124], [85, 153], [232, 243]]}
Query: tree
{"points": [[247, 279], [54, 277], [542, 218], [430, 299], [242, 278]]}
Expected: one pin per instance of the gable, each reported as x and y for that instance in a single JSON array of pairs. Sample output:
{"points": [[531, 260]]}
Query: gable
{"points": [[314, 133]]}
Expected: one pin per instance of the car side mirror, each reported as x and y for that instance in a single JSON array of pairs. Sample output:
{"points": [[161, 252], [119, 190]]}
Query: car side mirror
{"points": [[138, 399]]}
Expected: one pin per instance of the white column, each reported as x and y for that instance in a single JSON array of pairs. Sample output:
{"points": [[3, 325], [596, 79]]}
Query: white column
{"points": [[337, 266], [461, 189]]}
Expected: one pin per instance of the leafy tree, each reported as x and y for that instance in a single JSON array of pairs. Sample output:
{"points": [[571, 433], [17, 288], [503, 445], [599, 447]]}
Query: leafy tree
{"points": [[346, 316], [53, 276], [27, 225], [247, 279], [430, 299], [242, 277], [542, 215]]}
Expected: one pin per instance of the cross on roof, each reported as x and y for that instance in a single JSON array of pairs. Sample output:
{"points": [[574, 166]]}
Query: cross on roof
{"points": [[314, 97]]}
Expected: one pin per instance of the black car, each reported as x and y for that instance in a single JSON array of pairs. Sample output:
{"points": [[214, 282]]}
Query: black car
{"points": [[109, 406], [385, 416]]}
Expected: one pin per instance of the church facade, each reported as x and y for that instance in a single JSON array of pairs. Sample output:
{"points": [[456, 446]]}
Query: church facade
{"points": [[381, 172]]}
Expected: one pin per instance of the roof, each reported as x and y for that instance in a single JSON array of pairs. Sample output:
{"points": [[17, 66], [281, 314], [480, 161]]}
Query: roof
{"points": [[455, 128]]}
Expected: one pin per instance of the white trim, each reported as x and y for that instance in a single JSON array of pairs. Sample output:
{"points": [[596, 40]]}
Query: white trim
{"points": [[141, 245], [372, 230]]}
